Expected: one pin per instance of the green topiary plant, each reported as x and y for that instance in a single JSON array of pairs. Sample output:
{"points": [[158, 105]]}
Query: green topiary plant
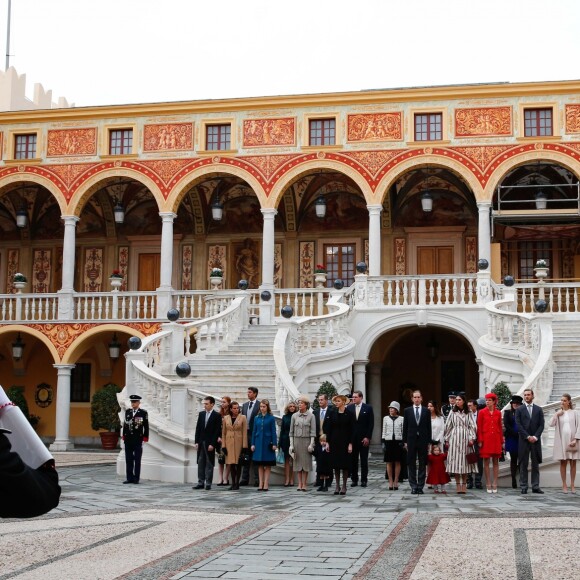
{"points": [[326, 388], [503, 393], [105, 408]]}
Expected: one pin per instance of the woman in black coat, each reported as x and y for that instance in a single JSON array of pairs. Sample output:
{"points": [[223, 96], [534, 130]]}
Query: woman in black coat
{"points": [[511, 436], [339, 431], [284, 442]]}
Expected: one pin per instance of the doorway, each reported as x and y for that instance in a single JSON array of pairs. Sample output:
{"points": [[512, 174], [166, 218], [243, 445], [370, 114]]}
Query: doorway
{"points": [[149, 272], [434, 260]]}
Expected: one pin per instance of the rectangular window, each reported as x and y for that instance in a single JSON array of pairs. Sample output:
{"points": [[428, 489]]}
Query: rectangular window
{"points": [[80, 383], [322, 132], [339, 263], [538, 123], [529, 254], [218, 137], [428, 127], [121, 142], [25, 146]]}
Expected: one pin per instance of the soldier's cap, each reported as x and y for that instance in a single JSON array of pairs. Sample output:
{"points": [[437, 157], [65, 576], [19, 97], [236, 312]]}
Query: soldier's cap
{"points": [[134, 398], [451, 394]]}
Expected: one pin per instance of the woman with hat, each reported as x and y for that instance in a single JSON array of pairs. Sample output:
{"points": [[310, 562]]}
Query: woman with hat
{"points": [[512, 437], [490, 439], [302, 438], [339, 430], [392, 439]]}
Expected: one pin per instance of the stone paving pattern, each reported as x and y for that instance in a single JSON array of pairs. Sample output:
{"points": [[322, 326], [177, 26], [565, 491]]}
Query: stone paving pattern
{"points": [[369, 533]]}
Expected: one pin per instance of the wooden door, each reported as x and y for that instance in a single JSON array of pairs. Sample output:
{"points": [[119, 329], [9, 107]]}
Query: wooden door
{"points": [[434, 260], [149, 272]]}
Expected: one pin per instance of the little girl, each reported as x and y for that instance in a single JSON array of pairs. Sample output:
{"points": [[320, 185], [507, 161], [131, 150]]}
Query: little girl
{"points": [[323, 468], [437, 477]]}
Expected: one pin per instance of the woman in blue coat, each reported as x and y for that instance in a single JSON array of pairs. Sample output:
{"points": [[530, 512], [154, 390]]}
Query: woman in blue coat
{"points": [[264, 443], [511, 436]]}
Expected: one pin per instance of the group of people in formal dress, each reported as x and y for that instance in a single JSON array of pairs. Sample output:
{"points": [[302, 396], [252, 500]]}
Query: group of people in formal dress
{"points": [[464, 440]]}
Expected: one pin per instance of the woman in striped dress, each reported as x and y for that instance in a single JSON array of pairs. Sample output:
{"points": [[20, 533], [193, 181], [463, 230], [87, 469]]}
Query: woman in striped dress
{"points": [[460, 435]]}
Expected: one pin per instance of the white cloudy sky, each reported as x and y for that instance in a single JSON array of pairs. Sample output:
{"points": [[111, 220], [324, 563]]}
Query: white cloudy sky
{"points": [[127, 51]]}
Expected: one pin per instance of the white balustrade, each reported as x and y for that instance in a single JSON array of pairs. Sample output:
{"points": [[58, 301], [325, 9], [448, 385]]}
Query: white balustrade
{"points": [[29, 308], [560, 297]]}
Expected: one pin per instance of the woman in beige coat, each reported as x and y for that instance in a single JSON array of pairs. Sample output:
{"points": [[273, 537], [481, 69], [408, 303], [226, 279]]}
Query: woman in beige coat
{"points": [[234, 440], [567, 423]]}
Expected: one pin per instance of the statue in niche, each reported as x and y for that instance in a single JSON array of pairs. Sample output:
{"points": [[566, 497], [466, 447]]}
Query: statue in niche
{"points": [[248, 263]]}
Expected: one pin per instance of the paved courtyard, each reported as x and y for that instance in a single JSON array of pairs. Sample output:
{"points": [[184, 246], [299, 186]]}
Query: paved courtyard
{"points": [[104, 530]]}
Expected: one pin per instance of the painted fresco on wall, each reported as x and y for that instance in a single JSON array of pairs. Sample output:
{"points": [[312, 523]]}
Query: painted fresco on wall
{"points": [[538, 233], [375, 127], [186, 267], [400, 256], [217, 257], [241, 215], [470, 254], [41, 271], [268, 132], [246, 261], [12, 266], [448, 210], [278, 266], [66, 142], [93, 270], [306, 271], [344, 211], [142, 217], [484, 121], [168, 137], [123, 265], [572, 118]]}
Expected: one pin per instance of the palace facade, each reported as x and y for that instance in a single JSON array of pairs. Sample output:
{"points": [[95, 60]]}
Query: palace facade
{"points": [[419, 184]]}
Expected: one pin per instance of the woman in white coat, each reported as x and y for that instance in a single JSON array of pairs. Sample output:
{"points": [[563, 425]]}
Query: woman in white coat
{"points": [[566, 440]]}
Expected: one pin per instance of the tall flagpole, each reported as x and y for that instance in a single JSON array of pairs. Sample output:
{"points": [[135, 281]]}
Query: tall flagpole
{"points": [[8, 36]]}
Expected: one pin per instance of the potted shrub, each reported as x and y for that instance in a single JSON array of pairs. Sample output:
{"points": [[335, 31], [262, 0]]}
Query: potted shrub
{"points": [[541, 269], [326, 388], [116, 279], [215, 276], [503, 393], [19, 281], [105, 411], [320, 275]]}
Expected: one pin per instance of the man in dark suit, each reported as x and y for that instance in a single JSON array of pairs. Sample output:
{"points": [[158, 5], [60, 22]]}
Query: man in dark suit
{"points": [[530, 422], [364, 422], [416, 439], [135, 433], [250, 409], [321, 417], [207, 432]]}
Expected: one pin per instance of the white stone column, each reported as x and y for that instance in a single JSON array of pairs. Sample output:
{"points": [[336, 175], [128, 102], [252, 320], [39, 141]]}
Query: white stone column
{"points": [[360, 373], [484, 231], [166, 273], [68, 252], [375, 399], [268, 249], [375, 239], [62, 443]]}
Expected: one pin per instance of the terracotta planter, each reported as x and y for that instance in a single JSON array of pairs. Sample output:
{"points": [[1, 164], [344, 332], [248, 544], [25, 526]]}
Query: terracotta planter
{"points": [[109, 439]]}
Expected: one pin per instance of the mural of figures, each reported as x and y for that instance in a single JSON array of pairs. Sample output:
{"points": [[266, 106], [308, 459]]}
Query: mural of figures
{"points": [[12, 268], [247, 262]]}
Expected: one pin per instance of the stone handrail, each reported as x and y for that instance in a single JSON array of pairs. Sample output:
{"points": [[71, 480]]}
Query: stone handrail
{"points": [[561, 297], [298, 339], [529, 338], [29, 307], [548, 435], [304, 301]]}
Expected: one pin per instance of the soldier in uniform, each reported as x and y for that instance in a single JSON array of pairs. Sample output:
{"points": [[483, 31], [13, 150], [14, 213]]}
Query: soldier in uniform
{"points": [[135, 433], [446, 409]]}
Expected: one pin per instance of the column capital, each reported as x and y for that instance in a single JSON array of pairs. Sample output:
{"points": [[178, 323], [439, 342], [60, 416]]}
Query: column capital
{"points": [[374, 208], [269, 212], [361, 362], [483, 205], [70, 219], [64, 369], [167, 215]]}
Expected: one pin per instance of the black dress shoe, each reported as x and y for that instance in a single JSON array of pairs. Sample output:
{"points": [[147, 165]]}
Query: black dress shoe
{"points": [[208, 487], [198, 486], [321, 488], [354, 484], [127, 481], [470, 486], [537, 490], [524, 491], [135, 482], [477, 486], [414, 492], [363, 484], [244, 482], [420, 492]]}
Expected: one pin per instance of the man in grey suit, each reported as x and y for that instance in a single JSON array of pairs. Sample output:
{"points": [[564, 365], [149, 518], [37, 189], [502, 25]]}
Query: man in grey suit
{"points": [[530, 422], [250, 409]]}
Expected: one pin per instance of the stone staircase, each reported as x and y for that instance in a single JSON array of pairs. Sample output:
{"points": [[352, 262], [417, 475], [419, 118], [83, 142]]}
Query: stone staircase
{"points": [[247, 363], [566, 357]]}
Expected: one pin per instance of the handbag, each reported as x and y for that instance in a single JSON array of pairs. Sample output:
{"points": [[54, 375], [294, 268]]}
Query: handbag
{"points": [[471, 456], [245, 458], [221, 458], [280, 457]]}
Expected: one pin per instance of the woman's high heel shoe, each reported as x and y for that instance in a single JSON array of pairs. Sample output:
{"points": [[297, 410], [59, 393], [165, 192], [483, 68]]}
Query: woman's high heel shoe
{"points": [[494, 489], [488, 489], [343, 491], [337, 491]]}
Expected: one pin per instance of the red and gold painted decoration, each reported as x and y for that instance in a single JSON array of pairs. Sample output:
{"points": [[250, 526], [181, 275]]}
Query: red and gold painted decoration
{"points": [[470, 254], [62, 336], [400, 256], [375, 127], [269, 132], [306, 272], [572, 118], [168, 137], [41, 271], [123, 265], [93, 278], [483, 122], [13, 263], [187, 267], [70, 142]]}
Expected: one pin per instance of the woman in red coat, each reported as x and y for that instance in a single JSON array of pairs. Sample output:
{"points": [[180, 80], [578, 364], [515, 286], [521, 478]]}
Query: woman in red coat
{"points": [[490, 439]]}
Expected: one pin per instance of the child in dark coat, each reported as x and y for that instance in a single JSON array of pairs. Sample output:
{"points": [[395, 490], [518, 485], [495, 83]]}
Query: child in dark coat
{"points": [[323, 468]]}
